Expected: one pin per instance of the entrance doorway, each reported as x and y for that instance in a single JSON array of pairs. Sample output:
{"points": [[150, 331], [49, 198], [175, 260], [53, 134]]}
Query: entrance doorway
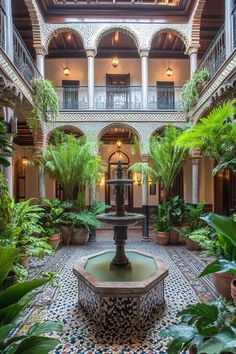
{"points": [[225, 192]]}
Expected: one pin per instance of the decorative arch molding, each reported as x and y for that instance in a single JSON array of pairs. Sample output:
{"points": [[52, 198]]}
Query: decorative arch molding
{"points": [[114, 125], [195, 22], [56, 29], [37, 22], [179, 34], [112, 28]]}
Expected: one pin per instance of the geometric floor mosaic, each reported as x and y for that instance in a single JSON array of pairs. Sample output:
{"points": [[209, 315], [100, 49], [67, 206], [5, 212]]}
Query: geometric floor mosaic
{"points": [[82, 336]]}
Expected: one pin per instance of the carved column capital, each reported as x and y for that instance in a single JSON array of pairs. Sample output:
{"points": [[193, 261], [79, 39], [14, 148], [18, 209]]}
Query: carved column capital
{"points": [[195, 156], [41, 50], [191, 49], [10, 95], [144, 53], [91, 52]]}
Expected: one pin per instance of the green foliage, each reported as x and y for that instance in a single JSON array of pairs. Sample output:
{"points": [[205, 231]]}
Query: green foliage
{"points": [[5, 205], [192, 219], [162, 218], [73, 163], [167, 160], [225, 254], [84, 219], [98, 207], [190, 90], [5, 147], [53, 215], [214, 136], [204, 326], [177, 211], [13, 301], [46, 103]]}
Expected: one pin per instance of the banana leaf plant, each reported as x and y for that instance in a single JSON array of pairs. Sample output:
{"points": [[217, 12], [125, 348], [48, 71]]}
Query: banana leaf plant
{"points": [[225, 228], [13, 301]]}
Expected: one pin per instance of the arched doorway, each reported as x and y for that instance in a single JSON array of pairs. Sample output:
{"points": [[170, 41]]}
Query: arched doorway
{"points": [[110, 195]]}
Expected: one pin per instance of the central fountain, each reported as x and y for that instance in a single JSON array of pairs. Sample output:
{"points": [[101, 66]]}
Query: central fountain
{"points": [[123, 283]]}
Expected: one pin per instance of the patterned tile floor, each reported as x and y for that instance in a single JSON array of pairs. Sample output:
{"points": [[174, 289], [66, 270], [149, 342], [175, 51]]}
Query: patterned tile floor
{"points": [[81, 335]]}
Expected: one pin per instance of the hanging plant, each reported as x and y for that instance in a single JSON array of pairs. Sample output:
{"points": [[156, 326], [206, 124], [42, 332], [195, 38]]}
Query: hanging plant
{"points": [[192, 88], [46, 104]]}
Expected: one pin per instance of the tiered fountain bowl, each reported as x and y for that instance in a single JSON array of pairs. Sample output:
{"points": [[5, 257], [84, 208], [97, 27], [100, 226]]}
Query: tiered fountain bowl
{"points": [[117, 287]]}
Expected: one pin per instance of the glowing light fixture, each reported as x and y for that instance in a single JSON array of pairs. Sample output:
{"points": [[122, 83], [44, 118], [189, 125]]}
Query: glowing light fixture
{"points": [[25, 161], [69, 36], [169, 72], [115, 61], [66, 71], [118, 144]]}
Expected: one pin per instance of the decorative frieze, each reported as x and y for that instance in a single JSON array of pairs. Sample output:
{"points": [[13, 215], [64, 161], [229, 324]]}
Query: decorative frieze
{"points": [[10, 94]]}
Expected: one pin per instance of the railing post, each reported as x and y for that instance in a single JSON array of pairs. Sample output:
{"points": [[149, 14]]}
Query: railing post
{"points": [[91, 53], [229, 6], [40, 60], [8, 29], [144, 68]]}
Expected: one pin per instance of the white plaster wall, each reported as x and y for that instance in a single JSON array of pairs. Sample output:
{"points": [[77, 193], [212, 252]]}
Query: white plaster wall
{"points": [[78, 70]]}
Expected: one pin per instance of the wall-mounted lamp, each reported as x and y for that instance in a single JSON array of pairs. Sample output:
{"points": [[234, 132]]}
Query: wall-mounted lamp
{"points": [[139, 179], [25, 161], [115, 62], [118, 144], [66, 71], [169, 72], [101, 180]]}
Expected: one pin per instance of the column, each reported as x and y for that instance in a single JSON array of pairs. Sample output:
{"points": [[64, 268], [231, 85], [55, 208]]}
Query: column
{"points": [[8, 171], [91, 53], [145, 211], [42, 185], [8, 29], [144, 69], [229, 6], [40, 60], [92, 198], [193, 61], [195, 157]]}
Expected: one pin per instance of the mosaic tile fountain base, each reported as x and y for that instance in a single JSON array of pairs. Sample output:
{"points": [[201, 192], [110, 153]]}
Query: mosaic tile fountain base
{"points": [[113, 312]]}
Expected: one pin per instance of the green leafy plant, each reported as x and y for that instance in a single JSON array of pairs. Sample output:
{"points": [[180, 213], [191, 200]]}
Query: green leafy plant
{"points": [[215, 136], [177, 211], [46, 103], [190, 90], [53, 213], [162, 218], [5, 205], [98, 207], [5, 147], [225, 246], [192, 219], [167, 160], [210, 328], [83, 220], [13, 301]]}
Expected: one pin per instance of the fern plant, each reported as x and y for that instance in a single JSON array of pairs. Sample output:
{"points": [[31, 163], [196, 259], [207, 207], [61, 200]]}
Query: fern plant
{"points": [[46, 103], [215, 136], [167, 160]]}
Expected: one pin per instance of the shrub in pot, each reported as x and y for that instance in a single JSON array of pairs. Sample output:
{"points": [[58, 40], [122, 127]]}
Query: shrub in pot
{"points": [[204, 328], [176, 213], [53, 214], [162, 224], [223, 249]]}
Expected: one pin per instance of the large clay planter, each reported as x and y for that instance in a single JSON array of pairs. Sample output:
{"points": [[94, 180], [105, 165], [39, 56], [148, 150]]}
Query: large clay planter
{"points": [[54, 240], [174, 237], [193, 349], [222, 282], [80, 237], [233, 290], [66, 232], [162, 238], [192, 245]]}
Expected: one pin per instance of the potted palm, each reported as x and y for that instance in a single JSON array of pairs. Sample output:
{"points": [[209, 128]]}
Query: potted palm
{"points": [[223, 268], [162, 224], [53, 213], [177, 214]]}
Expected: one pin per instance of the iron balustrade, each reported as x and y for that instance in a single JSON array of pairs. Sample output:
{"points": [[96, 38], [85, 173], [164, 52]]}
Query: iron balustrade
{"points": [[216, 54], [72, 98], [164, 97], [2, 27], [23, 60], [113, 97], [233, 19]]}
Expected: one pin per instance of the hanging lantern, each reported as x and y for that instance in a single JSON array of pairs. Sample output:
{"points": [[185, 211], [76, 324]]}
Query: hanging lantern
{"points": [[66, 71], [169, 72], [25, 161], [115, 62]]}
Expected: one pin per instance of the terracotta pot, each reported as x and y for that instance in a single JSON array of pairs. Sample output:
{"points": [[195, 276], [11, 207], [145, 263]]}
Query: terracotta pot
{"points": [[162, 238], [222, 282], [54, 240], [80, 237], [192, 245], [174, 237], [193, 349], [66, 232], [25, 260], [233, 290]]}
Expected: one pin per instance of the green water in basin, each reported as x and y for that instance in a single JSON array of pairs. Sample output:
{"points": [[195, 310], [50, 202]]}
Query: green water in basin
{"points": [[142, 267]]}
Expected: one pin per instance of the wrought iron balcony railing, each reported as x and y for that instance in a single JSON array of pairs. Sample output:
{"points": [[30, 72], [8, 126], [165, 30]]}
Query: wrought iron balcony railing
{"points": [[74, 98], [216, 54], [2, 27], [164, 97], [23, 60]]}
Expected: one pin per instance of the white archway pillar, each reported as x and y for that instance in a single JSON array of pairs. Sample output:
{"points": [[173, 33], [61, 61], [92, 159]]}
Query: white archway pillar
{"points": [[195, 157], [40, 60], [229, 6], [144, 70], [91, 53], [192, 52]]}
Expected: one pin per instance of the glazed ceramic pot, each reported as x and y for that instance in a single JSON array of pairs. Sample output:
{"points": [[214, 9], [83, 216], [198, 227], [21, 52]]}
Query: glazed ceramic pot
{"points": [[66, 232], [80, 237], [222, 282], [192, 245], [54, 240], [233, 290], [174, 237], [162, 238]]}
